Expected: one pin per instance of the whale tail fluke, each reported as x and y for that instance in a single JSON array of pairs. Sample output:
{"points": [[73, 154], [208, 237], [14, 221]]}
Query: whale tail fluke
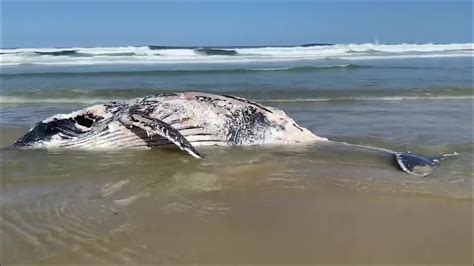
{"points": [[416, 164], [419, 165], [410, 163]]}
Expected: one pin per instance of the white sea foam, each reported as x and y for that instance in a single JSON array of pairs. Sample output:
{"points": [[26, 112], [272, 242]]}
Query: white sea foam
{"points": [[147, 55]]}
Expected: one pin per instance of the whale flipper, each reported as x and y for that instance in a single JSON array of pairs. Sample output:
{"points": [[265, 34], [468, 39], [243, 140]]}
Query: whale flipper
{"points": [[154, 126]]}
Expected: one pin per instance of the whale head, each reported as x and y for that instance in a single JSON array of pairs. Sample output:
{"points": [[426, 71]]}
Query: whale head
{"points": [[46, 133], [58, 129]]}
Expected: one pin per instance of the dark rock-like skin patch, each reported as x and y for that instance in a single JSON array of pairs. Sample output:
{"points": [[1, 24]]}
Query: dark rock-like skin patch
{"points": [[245, 124]]}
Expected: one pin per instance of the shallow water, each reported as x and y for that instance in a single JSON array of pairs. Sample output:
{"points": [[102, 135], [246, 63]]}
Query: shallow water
{"points": [[322, 203], [236, 205]]}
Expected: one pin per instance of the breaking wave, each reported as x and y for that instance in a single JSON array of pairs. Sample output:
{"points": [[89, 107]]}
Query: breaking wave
{"points": [[169, 54]]}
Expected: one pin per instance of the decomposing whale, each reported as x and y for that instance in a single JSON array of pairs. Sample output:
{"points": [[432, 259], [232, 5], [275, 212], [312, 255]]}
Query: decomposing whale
{"points": [[187, 121]]}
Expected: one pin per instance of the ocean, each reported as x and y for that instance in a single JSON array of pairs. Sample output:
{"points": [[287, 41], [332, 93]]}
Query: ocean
{"points": [[245, 204]]}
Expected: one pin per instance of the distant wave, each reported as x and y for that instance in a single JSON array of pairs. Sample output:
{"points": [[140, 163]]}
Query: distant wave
{"points": [[168, 54], [188, 72], [316, 44], [288, 96], [58, 53], [210, 51], [166, 47], [309, 68]]}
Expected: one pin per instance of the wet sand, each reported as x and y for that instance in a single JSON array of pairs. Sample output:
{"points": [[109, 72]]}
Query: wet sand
{"points": [[253, 224]]}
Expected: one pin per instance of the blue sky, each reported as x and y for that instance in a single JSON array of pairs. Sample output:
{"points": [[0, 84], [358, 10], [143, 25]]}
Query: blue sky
{"points": [[56, 24]]}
